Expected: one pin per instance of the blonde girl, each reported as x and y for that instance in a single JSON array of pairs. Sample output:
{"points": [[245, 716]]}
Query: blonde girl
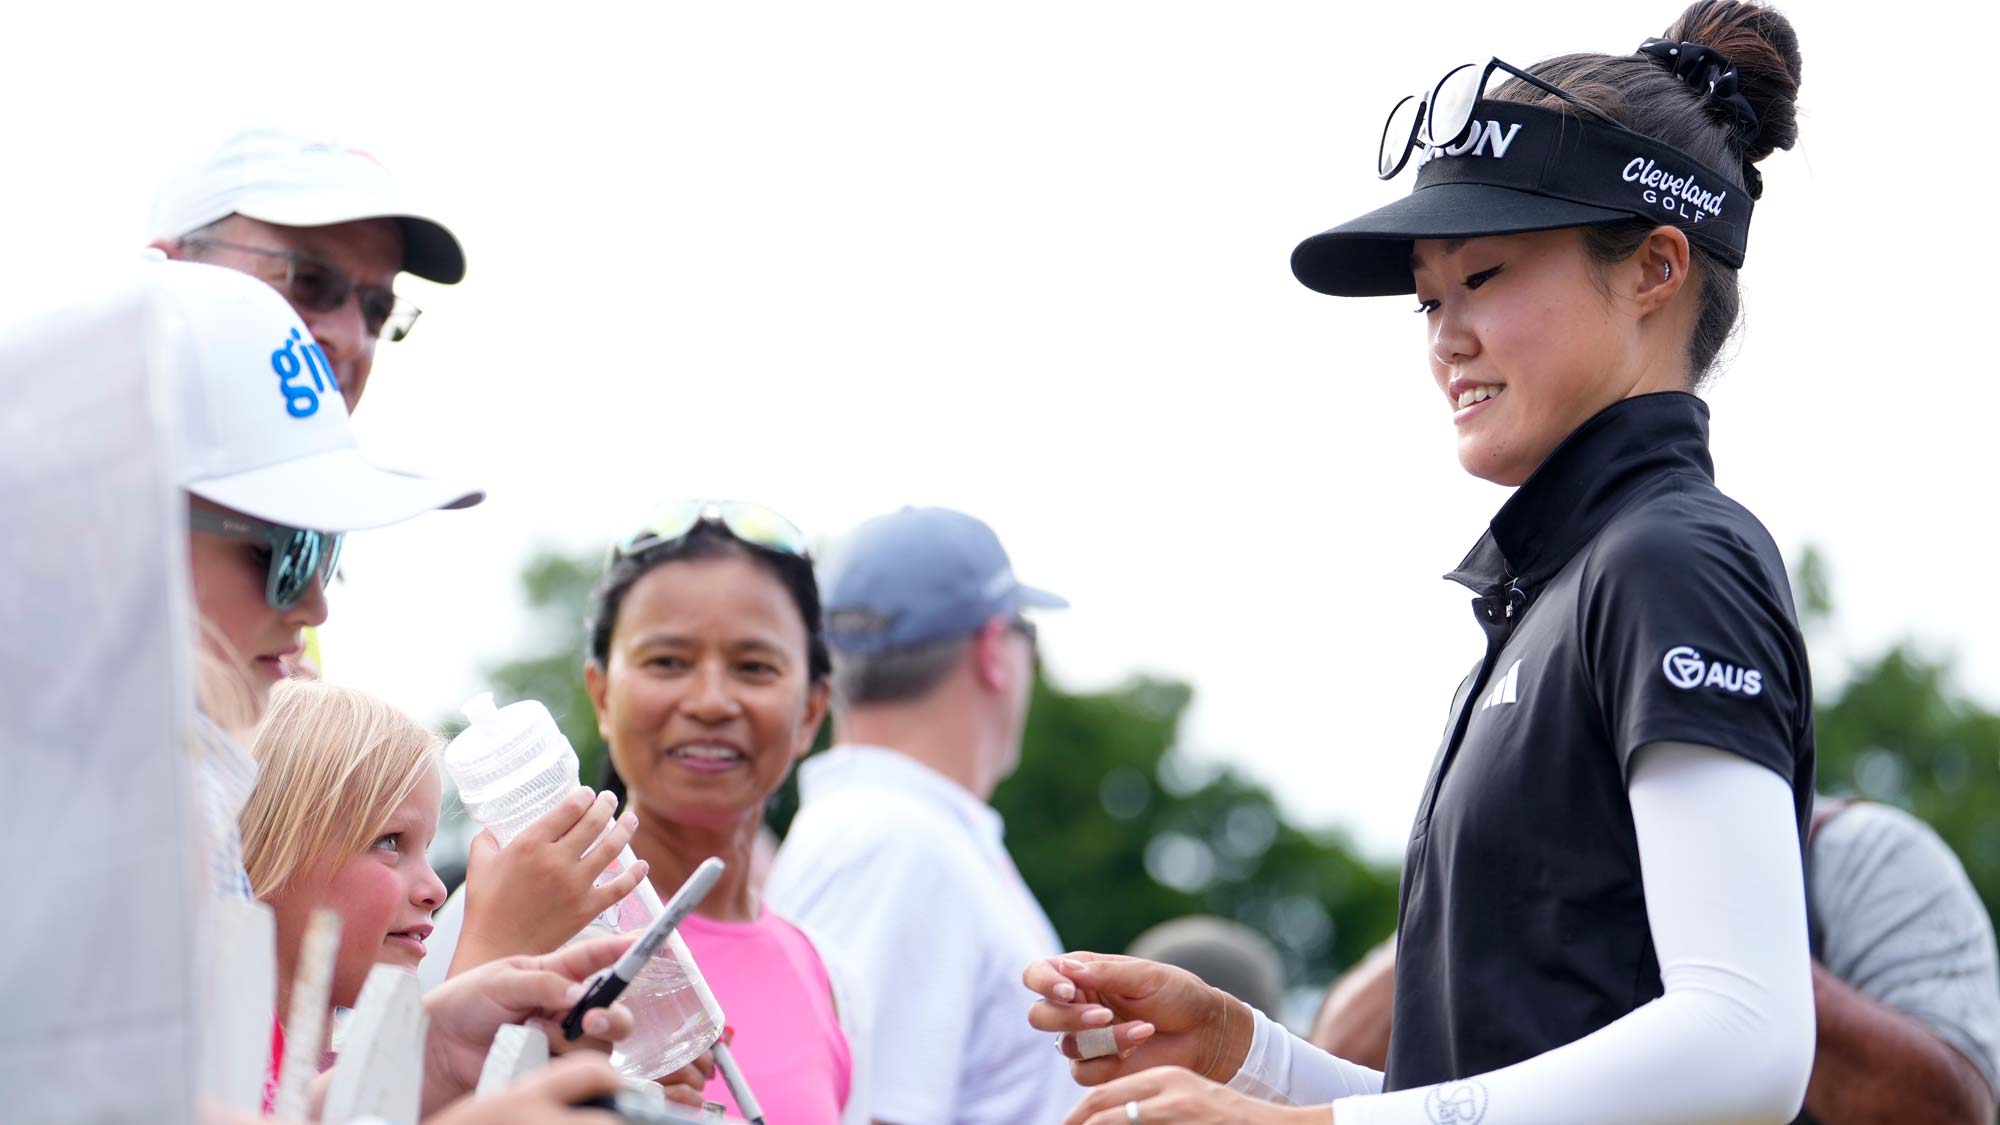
{"points": [[345, 806]]}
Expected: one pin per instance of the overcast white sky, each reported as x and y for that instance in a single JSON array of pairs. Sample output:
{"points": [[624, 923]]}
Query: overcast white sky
{"points": [[1029, 260]]}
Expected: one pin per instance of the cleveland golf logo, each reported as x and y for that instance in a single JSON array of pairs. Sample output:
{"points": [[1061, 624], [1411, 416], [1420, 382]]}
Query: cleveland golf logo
{"points": [[1686, 670], [1673, 193], [298, 357]]}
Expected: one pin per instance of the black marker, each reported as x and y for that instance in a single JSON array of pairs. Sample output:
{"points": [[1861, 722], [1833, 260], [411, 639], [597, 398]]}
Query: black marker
{"points": [[608, 986]]}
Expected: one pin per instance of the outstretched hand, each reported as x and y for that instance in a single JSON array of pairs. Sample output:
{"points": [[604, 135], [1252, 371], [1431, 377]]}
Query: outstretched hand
{"points": [[547, 1097], [1159, 1016], [468, 1010], [1172, 1096], [540, 890]]}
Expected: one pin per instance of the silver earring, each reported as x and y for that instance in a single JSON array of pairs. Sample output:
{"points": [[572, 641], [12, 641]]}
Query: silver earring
{"points": [[1670, 272]]}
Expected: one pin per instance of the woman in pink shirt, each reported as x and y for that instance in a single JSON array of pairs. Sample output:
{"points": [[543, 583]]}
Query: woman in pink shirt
{"points": [[710, 679]]}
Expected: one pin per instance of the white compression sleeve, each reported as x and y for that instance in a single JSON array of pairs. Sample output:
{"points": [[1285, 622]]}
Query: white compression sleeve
{"points": [[1732, 1038], [1281, 1067]]}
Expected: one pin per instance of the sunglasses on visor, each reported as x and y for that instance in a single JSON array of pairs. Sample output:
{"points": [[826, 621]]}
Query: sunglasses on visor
{"points": [[752, 523], [297, 556], [1440, 117]]}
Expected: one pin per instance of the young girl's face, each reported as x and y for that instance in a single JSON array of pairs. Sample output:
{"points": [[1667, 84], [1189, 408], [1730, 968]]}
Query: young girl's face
{"points": [[384, 896]]}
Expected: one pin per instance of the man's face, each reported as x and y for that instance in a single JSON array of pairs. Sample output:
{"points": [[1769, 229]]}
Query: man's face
{"points": [[368, 252]]}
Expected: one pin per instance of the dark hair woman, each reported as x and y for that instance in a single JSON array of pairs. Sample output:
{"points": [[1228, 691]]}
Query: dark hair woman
{"points": [[1603, 912], [709, 676]]}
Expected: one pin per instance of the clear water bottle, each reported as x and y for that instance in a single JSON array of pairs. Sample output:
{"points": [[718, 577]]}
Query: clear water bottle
{"points": [[511, 765]]}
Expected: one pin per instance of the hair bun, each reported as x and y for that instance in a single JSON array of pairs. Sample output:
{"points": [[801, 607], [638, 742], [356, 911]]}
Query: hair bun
{"points": [[1760, 43]]}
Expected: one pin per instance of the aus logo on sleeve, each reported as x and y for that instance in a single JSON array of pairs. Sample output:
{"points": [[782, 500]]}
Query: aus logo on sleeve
{"points": [[1687, 670]]}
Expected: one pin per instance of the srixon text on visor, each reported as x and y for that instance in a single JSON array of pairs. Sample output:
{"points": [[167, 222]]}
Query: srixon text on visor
{"points": [[1674, 193], [1484, 135]]}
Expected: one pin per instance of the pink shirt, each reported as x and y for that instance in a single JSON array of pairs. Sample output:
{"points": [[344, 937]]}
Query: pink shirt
{"points": [[787, 1039]]}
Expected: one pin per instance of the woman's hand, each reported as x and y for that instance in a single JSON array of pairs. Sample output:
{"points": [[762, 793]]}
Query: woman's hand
{"points": [[1159, 1015], [1173, 1096], [537, 892], [686, 1084], [468, 1010], [549, 1095]]}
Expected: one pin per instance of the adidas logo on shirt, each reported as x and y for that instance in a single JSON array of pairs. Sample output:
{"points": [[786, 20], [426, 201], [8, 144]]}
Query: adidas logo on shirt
{"points": [[1506, 690]]}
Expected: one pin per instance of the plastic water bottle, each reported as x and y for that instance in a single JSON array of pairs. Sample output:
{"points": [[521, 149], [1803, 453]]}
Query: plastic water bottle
{"points": [[511, 765]]}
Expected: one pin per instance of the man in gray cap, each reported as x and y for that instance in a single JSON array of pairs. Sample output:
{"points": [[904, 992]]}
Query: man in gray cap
{"points": [[322, 223], [895, 859]]}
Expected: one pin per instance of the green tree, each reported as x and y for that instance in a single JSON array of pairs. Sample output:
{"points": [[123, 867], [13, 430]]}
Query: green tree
{"points": [[1112, 828], [1898, 729], [557, 586]]}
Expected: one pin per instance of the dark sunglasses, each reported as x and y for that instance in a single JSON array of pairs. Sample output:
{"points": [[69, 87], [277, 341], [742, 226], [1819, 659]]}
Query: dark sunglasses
{"points": [[319, 286], [752, 523], [297, 556], [1440, 117]]}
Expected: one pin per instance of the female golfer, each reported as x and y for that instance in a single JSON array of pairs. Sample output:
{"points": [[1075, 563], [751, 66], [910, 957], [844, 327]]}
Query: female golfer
{"points": [[1603, 914]]}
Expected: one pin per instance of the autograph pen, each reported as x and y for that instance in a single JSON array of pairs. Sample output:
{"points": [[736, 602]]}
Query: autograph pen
{"points": [[607, 987]]}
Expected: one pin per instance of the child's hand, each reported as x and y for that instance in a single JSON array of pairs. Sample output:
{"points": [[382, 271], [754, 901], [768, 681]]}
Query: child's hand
{"points": [[536, 893]]}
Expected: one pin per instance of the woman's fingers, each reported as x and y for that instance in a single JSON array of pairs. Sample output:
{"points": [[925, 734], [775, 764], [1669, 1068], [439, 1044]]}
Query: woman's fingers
{"points": [[1051, 1015], [682, 1095], [1112, 1096], [585, 957], [1088, 975], [1053, 977], [573, 1079], [686, 1084], [1105, 1042]]}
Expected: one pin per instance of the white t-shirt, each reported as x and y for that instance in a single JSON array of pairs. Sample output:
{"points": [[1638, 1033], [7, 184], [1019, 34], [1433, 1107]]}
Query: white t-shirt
{"points": [[1903, 925], [903, 872]]}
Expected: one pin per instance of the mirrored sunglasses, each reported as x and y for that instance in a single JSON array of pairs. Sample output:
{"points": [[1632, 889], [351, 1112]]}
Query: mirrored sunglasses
{"points": [[752, 523], [297, 556]]}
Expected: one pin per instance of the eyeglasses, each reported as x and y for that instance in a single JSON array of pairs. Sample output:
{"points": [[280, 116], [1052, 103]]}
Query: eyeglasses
{"points": [[318, 286], [1026, 628], [297, 556], [1440, 118], [752, 523]]}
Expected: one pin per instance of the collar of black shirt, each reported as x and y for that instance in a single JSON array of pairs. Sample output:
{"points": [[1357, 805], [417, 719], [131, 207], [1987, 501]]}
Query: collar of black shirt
{"points": [[1588, 478]]}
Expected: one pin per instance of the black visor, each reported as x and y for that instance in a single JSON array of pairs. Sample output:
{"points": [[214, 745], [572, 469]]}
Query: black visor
{"points": [[1524, 168]]}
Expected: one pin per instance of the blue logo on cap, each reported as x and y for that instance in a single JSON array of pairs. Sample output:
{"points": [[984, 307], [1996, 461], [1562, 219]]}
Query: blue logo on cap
{"points": [[299, 357]]}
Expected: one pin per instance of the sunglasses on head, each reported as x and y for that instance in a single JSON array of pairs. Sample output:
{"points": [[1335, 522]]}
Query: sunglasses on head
{"points": [[297, 556], [1440, 116], [318, 286], [752, 523]]}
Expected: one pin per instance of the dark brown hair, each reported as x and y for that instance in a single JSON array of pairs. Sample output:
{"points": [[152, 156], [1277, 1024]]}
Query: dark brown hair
{"points": [[1645, 96]]}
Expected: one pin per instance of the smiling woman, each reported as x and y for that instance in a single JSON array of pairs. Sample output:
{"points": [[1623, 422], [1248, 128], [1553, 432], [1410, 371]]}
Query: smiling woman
{"points": [[1602, 901], [709, 676]]}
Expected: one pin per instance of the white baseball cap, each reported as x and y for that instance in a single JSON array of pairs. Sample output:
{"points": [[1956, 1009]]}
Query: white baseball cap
{"points": [[296, 181], [259, 420]]}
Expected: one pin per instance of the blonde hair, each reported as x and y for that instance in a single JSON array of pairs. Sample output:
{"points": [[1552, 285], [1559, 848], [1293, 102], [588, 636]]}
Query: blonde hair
{"points": [[333, 764], [222, 690]]}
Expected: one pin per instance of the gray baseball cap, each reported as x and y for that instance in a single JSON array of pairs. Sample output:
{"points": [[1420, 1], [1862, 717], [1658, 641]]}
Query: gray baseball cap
{"points": [[917, 576]]}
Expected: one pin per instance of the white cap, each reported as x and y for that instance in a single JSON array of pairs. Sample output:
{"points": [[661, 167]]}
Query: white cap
{"points": [[296, 181], [261, 424]]}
